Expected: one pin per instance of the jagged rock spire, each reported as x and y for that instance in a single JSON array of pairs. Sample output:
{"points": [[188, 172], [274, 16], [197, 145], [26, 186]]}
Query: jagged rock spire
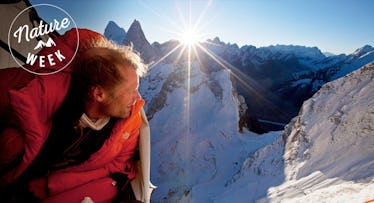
{"points": [[136, 37]]}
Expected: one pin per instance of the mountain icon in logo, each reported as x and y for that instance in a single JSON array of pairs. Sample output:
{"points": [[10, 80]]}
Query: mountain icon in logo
{"points": [[42, 44]]}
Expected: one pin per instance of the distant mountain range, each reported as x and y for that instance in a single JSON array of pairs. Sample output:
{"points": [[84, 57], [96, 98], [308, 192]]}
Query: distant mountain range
{"points": [[134, 36], [209, 122], [273, 80], [324, 153]]}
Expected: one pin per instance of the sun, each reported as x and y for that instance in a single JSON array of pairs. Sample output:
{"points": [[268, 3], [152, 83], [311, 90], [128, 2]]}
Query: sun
{"points": [[189, 37]]}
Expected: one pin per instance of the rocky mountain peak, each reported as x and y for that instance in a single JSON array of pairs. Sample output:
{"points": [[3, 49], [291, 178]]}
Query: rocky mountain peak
{"points": [[136, 37], [114, 32]]}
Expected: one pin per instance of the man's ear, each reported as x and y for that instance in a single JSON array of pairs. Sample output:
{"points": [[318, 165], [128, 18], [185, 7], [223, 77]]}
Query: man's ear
{"points": [[98, 93]]}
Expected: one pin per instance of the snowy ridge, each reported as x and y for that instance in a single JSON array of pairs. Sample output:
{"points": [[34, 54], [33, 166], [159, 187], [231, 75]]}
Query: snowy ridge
{"points": [[286, 75], [361, 52], [198, 155], [344, 121], [360, 58], [283, 51], [154, 88], [196, 144], [330, 146], [258, 172], [325, 154]]}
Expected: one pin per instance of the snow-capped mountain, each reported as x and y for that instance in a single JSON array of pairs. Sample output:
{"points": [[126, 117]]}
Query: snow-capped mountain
{"points": [[195, 113], [273, 80], [199, 156], [195, 140], [326, 153], [323, 155], [114, 32], [327, 54], [328, 69], [360, 57], [361, 52]]}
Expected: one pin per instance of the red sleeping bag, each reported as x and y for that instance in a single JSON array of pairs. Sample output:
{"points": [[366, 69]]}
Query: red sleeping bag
{"points": [[27, 104]]}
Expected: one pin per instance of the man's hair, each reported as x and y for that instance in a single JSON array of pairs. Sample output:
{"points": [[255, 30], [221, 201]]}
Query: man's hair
{"points": [[99, 65]]}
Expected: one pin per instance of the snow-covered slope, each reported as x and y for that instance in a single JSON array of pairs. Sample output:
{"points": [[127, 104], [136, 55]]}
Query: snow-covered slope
{"points": [[324, 155], [198, 154], [332, 141], [195, 141], [338, 117]]}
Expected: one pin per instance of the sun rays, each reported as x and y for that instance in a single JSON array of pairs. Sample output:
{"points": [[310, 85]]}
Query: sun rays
{"points": [[190, 38], [191, 47], [184, 53]]}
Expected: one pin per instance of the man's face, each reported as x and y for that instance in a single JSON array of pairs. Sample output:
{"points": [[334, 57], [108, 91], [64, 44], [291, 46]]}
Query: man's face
{"points": [[124, 95]]}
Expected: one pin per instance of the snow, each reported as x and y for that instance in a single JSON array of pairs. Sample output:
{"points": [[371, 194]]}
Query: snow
{"points": [[329, 151], [258, 172], [323, 155], [327, 190], [363, 51], [287, 51], [356, 60], [150, 84], [327, 54], [195, 139]]}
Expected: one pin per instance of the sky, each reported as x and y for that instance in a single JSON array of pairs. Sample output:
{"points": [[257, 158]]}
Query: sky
{"points": [[335, 26]]}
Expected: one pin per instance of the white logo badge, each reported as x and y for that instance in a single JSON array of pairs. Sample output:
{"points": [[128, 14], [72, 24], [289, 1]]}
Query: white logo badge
{"points": [[37, 40]]}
